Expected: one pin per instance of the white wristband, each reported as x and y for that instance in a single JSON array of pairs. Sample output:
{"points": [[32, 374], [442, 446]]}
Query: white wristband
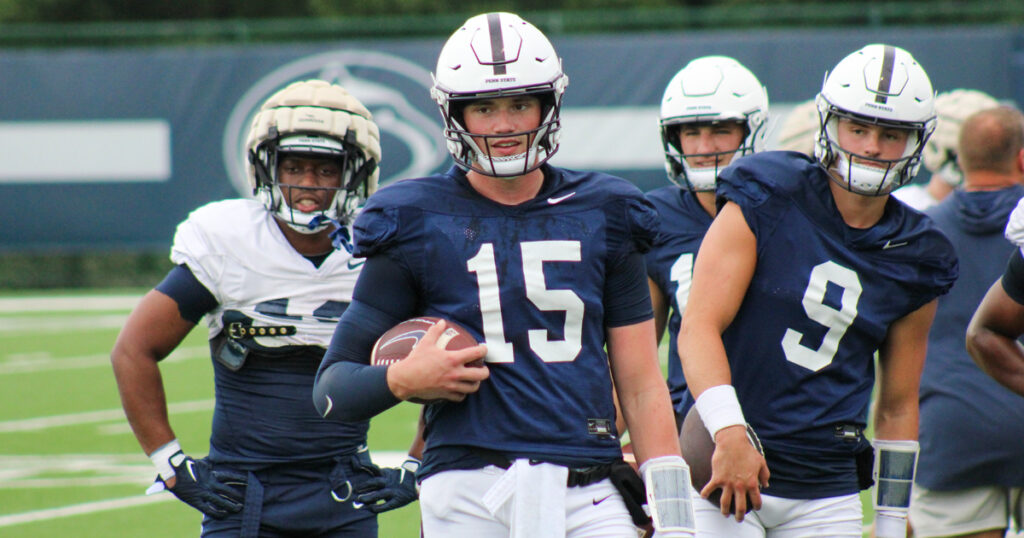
{"points": [[161, 458], [719, 408]]}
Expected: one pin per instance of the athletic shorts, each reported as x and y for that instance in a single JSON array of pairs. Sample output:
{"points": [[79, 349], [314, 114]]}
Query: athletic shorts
{"points": [[945, 513]]}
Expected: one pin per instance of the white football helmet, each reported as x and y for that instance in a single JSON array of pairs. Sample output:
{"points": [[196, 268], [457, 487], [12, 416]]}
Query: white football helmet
{"points": [[878, 85], [499, 55], [708, 90], [951, 109], [314, 119]]}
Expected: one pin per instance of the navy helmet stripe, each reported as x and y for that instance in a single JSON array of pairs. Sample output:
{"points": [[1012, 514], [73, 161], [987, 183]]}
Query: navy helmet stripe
{"points": [[497, 43], [885, 77]]}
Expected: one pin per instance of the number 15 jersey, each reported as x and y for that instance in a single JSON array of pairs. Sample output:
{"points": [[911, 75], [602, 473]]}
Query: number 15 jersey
{"points": [[532, 282]]}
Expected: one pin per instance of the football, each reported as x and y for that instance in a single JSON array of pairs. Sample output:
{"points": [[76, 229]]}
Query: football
{"points": [[395, 344], [697, 447]]}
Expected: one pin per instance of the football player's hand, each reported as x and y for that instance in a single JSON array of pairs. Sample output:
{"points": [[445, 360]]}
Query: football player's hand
{"points": [[738, 469], [214, 493], [395, 488], [431, 373]]}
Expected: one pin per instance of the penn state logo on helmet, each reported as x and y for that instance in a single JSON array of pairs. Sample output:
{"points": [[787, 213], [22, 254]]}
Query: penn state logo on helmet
{"points": [[394, 90]]}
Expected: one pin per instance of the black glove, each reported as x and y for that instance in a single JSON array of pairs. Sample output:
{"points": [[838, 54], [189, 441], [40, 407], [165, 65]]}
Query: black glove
{"points": [[214, 493], [396, 487]]}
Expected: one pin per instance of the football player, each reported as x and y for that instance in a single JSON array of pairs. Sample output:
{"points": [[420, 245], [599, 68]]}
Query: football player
{"points": [[713, 110], [940, 152], [545, 267], [970, 473], [271, 282], [808, 269]]}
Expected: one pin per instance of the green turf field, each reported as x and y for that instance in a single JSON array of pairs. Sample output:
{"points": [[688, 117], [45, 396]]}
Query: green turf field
{"points": [[69, 465]]}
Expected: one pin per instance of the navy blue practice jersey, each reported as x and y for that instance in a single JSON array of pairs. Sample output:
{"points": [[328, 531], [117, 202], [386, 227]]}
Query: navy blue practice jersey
{"points": [[670, 265], [530, 282], [822, 298]]}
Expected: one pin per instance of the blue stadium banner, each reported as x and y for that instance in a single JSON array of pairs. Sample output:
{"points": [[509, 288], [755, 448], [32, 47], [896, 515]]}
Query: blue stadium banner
{"points": [[111, 148]]}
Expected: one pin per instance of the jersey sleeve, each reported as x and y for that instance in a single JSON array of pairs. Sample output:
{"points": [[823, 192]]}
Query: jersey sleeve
{"points": [[1013, 277], [375, 230], [1015, 225], [749, 183], [192, 247]]}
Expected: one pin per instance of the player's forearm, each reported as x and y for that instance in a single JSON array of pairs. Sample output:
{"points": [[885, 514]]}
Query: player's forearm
{"points": [[896, 420], [702, 354], [142, 397], [999, 356], [651, 422]]}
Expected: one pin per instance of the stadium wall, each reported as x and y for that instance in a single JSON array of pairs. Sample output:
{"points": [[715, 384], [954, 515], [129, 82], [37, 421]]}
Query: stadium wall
{"points": [[108, 149]]}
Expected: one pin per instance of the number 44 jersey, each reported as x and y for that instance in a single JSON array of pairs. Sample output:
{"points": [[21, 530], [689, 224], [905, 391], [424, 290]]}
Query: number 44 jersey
{"points": [[801, 347], [530, 281], [275, 315]]}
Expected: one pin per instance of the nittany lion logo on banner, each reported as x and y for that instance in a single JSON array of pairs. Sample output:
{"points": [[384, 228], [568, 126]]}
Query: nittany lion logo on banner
{"points": [[411, 140]]}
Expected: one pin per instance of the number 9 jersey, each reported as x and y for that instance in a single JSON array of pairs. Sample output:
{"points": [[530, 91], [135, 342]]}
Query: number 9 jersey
{"points": [[822, 299]]}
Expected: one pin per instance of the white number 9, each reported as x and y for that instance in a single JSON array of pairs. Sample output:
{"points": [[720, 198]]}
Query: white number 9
{"points": [[837, 321]]}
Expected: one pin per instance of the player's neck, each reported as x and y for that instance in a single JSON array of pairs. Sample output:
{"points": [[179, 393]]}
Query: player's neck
{"points": [[315, 244], [858, 210], [706, 199], [505, 190]]}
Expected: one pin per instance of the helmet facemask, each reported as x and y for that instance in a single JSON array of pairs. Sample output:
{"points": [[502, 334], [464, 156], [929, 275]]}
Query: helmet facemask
{"points": [[474, 149], [878, 85], [493, 56], [703, 179], [881, 176], [351, 192], [314, 119], [707, 91]]}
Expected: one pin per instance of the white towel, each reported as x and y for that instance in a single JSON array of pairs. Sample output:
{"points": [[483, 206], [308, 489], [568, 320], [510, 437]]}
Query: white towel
{"points": [[537, 493]]}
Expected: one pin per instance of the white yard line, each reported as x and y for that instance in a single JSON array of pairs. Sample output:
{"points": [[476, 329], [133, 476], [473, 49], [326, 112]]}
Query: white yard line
{"points": [[56, 304], [88, 417], [40, 362], [83, 508]]}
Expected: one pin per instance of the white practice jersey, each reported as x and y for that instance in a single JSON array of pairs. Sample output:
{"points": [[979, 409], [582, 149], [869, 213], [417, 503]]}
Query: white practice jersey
{"points": [[236, 250]]}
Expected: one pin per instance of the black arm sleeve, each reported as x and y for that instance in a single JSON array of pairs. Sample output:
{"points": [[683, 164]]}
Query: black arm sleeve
{"points": [[347, 388], [627, 297], [193, 299], [1013, 277]]}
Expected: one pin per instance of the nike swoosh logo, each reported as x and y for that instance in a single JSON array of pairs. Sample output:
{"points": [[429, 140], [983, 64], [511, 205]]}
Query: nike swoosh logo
{"points": [[190, 471], [554, 201], [601, 500], [889, 244], [330, 405], [354, 266], [355, 505]]}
